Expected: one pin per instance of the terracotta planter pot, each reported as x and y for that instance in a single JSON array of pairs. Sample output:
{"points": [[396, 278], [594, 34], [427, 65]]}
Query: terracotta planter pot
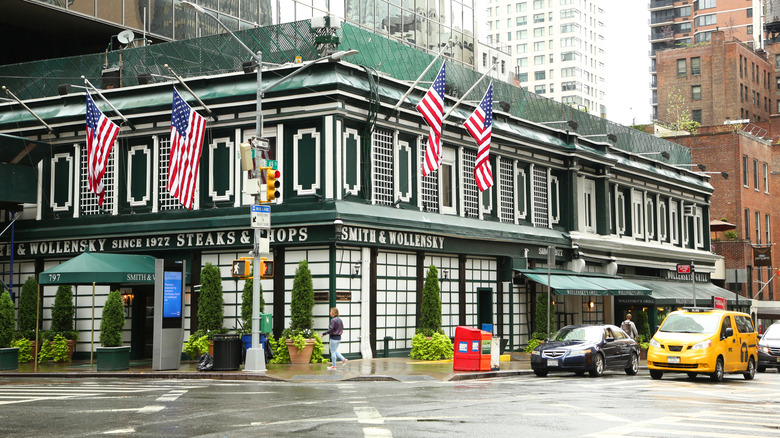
{"points": [[300, 356]]}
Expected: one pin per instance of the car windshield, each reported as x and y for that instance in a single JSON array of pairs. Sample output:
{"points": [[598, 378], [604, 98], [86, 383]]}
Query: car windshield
{"points": [[691, 323], [772, 333], [591, 334]]}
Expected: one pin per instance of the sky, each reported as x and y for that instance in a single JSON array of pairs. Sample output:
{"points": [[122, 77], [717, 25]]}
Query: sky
{"points": [[627, 61]]}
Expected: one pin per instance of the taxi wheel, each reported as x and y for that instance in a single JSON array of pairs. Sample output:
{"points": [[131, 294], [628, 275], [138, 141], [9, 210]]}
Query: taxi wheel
{"points": [[717, 376], [633, 366], [598, 366], [656, 375], [751, 370], [540, 373]]}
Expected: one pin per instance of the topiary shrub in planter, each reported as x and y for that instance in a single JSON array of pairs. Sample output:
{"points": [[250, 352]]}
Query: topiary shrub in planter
{"points": [[429, 341], [62, 317], [28, 303], [112, 356], [9, 356], [300, 338], [210, 302]]}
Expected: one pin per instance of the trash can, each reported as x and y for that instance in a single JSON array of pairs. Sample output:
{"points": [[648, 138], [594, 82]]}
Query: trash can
{"points": [[227, 352]]}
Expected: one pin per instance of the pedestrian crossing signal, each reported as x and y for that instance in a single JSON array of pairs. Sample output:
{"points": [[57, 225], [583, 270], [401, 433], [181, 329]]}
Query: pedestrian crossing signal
{"points": [[241, 269], [266, 269]]}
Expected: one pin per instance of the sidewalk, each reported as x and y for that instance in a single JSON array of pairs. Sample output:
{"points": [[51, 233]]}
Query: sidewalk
{"points": [[400, 369]]}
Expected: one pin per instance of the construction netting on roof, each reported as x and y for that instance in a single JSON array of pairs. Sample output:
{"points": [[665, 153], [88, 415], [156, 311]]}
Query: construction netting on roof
{"points": [[282, 43]]}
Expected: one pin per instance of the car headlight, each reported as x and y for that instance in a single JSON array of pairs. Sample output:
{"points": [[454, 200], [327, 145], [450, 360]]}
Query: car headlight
{"points": [[579, 352], [702, 345], [763, 349], [654, 343], [536, 352]]}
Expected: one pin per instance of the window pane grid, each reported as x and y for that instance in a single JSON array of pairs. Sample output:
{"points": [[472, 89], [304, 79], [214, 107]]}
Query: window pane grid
{"points": [[88, 201], [167, 202], [382, 167], [470, 190], [541, 214], [506, 209], [429, 186]]}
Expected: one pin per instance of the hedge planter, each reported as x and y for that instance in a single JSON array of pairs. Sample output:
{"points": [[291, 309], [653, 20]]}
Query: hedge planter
{"points": [[113, 358], [9, 359], [303, 355]]}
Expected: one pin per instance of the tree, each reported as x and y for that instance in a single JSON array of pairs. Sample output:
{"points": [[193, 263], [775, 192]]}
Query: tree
{"points": [[112, 321], [430, 306], [246, 304], [678, 113], [642, 324], [28, 303], [210, 302], [302, 301], [6, 319], [62, 311], [540, 326]]}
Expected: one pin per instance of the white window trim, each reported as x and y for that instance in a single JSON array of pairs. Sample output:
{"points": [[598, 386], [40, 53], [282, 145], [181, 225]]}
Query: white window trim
{"points": [[588, 189], [402, 145], [663, 221], [698, 222], [145, 198], [650, 214], [520, 184], [620, 205], [351, 190], [231, 169], [448, 158], [553, 181], [296, 159], [637, 214], [674, 222], [69, 203]]}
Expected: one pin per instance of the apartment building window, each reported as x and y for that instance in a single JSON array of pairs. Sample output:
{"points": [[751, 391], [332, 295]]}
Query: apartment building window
{"points": [[570, 13], [767, 230], [571, 56], [696, 92], [588, 207], [766, 178], [522, 48], [685, 11], [695, 66], [777, 61], [522, 62], [522, 77], [706, 4], [522, 20], [705, 20], [540, 75], [521, 7], [758, 228], [682, 68], [696, 116], [570, 27], [539, 18], [755, 174], [538, 32], [539, 89], [539, 46], [749, 12], [703, 37], [538, 4], [750, 29], [745, 178], [747, 224], [637, 215]]}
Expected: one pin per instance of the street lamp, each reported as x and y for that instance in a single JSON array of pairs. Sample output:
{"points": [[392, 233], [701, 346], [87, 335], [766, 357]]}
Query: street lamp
{"points": [[255, 360]]}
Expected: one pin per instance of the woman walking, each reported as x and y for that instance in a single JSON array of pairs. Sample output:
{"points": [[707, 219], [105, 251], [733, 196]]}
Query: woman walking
{"points": [[335, 330]]}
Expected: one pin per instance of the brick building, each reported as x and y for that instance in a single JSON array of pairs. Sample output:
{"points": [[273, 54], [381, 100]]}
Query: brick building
{"points": [[718, 82], [745, 199]]}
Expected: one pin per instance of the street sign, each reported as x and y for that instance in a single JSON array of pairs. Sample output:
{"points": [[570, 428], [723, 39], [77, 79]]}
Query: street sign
{"points": [[261, 216], [273, 164], [718, 303], [683, 269]]}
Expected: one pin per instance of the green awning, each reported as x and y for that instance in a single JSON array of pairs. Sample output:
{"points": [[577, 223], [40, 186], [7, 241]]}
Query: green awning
{"points": [[583, 285], [101, 268], [681, 293]]}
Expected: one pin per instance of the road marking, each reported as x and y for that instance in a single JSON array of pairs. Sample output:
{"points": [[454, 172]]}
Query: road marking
{"points": [[144, 410], [171, 396], [368, 414], [119, 431]]}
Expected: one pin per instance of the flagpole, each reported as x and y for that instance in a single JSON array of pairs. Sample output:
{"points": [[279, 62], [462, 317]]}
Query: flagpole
{"points": [[468, 92], [183, 84], [19, 101], [86, 81], [409, 91]]}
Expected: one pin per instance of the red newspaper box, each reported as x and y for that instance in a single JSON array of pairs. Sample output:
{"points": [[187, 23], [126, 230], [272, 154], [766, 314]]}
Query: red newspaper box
{"points": [[472, 349]]}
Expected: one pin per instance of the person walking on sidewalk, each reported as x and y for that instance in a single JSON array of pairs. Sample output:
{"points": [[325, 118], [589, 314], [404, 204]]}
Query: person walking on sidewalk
{"points": [[335, 330], [629, 327]]}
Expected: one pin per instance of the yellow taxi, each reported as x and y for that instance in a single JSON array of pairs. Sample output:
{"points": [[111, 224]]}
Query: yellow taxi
{"points": [[700, 340]]}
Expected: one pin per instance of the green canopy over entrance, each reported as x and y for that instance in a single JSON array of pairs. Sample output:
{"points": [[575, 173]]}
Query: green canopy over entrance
{"points": [[101, 268], [582, 285]]}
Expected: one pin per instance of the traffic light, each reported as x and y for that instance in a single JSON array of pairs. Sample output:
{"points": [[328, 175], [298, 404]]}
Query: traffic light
{"points": [[241, 268], [266, 268], [272, 184]]}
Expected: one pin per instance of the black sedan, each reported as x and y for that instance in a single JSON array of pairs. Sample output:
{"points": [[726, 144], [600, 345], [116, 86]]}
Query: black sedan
{"points": [[591, 348], [769, 348]]}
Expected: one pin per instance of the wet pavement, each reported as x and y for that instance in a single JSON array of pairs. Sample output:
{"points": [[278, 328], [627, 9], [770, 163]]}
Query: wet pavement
{"points": [[379, 369]]}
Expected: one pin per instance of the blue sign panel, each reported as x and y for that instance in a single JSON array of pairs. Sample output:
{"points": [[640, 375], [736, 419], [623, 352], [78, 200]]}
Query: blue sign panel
{"points": [[172, 294]]}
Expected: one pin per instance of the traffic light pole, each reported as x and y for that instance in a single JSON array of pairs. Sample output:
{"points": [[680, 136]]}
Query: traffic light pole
{"points": [[255, 356]]}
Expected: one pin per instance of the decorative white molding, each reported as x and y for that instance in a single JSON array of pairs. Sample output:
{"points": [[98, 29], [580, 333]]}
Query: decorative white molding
{"points": [[231, 169], [521, 185], [297, 159], [404, 196], [352, 190], [329, 146], [156, 175], [554, 187], [76, 188], [147, 195], [69, 203]]}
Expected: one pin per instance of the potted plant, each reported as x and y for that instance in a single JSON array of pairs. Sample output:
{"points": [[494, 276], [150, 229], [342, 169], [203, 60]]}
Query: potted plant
{"points": [[429, 341], [30, 307], [300, 338], [54, 347], [113, 356], [62, 318], [210, 304], [9, 356], [197, 344]]}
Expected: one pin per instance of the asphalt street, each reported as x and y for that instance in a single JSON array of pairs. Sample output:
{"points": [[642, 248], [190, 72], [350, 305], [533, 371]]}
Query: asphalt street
{"points": [[556, 406]]}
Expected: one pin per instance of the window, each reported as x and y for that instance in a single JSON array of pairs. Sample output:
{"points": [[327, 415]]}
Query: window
{"points": [[696, 92], [522, 48], [650, 218], [570, 27], [538, 4], [755, 174], [637, 215], [747, 224], [703, 37], [695, 66], [539, 89], [521, 7], [705, 20], [682, 27], [674, 222], [696, 116], [571, 56], [698, 221], [620, 212], [758, 228], [777, 61], [684, 11], [539, 75], [570, 13], [663, 221], [707, 4], [767, 230], [538, 32], [682, 68], [447, 182], [541, 197], [522, 20], [588, 206], [749, 12], [745, 177], [750, 29], [539, 46], [766, 178], [382, 167], [538, 18], [522, 62], [539, 60], [522, 34]]}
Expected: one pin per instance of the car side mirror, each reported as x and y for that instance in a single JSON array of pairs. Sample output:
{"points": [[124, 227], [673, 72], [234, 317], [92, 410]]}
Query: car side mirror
{"points": [[729, 332]]}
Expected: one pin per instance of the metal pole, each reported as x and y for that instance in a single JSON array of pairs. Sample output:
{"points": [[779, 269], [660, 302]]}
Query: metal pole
{"points": [[92, 342], [550, 262], [37, 319], [693, 282], [409, 91], [468, 92]]}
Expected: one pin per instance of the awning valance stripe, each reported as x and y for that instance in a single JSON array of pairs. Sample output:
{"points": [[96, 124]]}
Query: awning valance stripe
{"points": [[582, 285]]}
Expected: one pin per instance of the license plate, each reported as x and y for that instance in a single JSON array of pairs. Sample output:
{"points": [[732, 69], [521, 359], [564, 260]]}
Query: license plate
{"points": [[777, 359], [672, 359], [552, 362]]}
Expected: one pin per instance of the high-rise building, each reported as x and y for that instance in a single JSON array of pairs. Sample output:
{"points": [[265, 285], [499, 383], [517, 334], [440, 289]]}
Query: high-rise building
{"points": [[88, 26], [685, 23], [556, 48]]}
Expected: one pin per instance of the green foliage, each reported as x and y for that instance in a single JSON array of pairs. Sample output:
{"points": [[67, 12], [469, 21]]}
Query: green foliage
{"points": [[28, 303], [210, 302], [642, 324], [317, 351], [302, 301], [112, 321], [197, 344], [532, 343], [282, 353], [279, 347], [6, 319], [439, 346], [430, 306], [25, 349], [678, 113], [56, 350], [540, 322], [63, 309], [246, 305], [730, 235]]}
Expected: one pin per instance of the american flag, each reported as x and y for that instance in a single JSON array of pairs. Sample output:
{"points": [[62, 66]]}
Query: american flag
{"points": [[480, 126], [432, 109], [101, 134], [187, 130]]}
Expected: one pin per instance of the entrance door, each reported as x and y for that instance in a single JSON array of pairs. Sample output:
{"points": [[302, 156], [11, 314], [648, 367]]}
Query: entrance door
{"points": [[142, 324], [484, 306]]}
